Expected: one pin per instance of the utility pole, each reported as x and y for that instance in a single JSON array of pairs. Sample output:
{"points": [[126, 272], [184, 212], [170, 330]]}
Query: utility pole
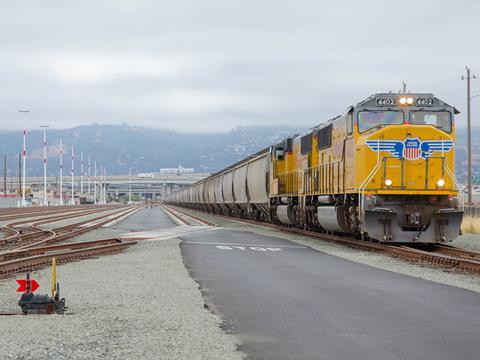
{"points": [[469, 136], [45, 203], [81, 172], [61, 172], [24, 153], [72, 199]]}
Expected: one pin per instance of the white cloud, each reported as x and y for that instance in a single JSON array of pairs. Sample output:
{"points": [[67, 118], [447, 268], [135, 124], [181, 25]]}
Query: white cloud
{"points": [[190, 102], [97, 68], [193, 65]]}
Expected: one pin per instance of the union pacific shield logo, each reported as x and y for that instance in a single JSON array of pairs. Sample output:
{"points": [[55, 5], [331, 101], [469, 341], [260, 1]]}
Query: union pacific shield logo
{"points": [[411, 148]]}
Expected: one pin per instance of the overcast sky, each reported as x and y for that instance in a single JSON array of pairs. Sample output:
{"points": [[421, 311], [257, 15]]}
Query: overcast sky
{"points": [[214, 65]]}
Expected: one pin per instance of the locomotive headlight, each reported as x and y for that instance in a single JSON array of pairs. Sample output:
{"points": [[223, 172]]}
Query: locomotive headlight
{"points": [[402, 101], [441, 183], [409, 101], [388, 182]]}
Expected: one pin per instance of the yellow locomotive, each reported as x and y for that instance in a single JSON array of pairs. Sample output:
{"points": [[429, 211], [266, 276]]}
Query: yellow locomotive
{"points": [[383, 170]]}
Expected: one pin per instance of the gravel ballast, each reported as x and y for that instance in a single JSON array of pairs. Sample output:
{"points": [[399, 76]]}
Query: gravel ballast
{"points": [[141, 304]]}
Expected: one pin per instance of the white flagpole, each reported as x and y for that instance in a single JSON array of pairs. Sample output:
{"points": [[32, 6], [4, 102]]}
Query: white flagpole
{"points": [[104, 184], [61, 172], [81, 172], [94, 181], [88, 177], [24, 155], [72, 200], [101, 184], [45, 203]]}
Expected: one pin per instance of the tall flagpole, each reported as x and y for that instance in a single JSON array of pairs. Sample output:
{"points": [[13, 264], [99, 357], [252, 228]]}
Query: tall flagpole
{"points": [[45, 203], [61, 172], [88, 176], [130, 187], [24, 154], [94, 181], [101, 184], [81, 172], [72, 200], [104, 184]]}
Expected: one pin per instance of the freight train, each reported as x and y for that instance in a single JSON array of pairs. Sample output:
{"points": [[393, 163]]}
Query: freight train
{"points": [[382, 171]]}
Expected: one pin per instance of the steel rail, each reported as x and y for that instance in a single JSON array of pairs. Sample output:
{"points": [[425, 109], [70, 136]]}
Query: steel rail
{"points": [[38, 232], [15, 214], [62, 256], [187, 219], [72, 230], [12, 226], [51, 249]]}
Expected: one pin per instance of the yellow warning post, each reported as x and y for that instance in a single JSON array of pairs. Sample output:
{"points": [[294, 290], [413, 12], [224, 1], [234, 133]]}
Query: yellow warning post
{"points": [[54, 278]]}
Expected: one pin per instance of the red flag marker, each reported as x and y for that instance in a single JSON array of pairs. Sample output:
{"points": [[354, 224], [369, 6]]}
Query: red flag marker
{"points": [[23, 285]]}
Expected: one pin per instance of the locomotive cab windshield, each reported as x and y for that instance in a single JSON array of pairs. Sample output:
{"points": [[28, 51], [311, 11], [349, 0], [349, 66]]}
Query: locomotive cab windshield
{"points": [[440, 119], [375, 118], [419, 109]]}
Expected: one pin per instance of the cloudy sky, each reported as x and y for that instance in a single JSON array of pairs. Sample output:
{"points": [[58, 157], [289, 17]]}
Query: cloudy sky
{"points": [[214, 65]]}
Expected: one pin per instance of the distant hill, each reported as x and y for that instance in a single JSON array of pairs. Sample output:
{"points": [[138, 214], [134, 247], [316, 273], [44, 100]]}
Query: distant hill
{"points": [[124, 147]]}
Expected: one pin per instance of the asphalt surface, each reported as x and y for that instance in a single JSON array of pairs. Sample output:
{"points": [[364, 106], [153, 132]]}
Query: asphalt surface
{"points": [[286, 301], [146, 219]]}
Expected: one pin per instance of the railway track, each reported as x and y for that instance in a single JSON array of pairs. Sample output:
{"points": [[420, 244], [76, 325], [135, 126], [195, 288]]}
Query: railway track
{"points": [[438, 255], [182, 218], [21, 231], [69, 231], [27, 260], [37, 250], [19, 213]]}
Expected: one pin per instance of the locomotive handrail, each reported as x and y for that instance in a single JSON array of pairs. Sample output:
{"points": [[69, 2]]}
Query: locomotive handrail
{"points": [[459, 187], [361, 189], [363, 185], [291, 182]]}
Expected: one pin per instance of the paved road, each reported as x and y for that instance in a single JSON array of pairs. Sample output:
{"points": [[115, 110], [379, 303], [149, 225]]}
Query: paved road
{"points": [[145, 220], [290, 302]]}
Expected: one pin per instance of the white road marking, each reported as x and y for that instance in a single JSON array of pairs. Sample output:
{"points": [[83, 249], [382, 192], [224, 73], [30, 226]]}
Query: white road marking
{"points": [[243, 248], [165, 234], [248, 245]]}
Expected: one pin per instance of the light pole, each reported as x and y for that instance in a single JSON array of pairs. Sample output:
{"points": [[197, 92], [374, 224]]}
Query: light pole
{"points": [[469, 135], [61, 172], [44, 127], [24, 153]]}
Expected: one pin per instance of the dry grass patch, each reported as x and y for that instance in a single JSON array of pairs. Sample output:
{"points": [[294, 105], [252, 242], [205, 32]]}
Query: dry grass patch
{"points": [[471, 225]]}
